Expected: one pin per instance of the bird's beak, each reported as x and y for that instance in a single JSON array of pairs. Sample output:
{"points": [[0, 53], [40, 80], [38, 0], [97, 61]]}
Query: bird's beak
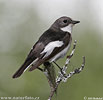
{"points": [[75, 22]]}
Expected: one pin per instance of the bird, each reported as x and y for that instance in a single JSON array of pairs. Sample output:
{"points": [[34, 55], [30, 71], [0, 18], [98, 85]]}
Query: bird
{"points": [[52, 45]]}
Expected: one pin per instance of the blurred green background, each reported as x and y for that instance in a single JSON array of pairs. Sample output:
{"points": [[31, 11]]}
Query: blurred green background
{"points": [[21, 24]]}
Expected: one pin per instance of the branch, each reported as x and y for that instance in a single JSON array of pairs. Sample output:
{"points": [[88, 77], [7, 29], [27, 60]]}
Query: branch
{"points": [[49, 72]]}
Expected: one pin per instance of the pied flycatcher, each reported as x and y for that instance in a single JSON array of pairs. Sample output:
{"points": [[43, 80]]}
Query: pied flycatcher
{"points": [[53, 44]]}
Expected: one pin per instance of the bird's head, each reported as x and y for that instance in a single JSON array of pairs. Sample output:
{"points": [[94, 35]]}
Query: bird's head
{"points": [[65, 24]]}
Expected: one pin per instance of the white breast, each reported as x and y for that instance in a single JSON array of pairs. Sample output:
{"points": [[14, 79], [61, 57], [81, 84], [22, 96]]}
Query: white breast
{"points": [[60, 54]]}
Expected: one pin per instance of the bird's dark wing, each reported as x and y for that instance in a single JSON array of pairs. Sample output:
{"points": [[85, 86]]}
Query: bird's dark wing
{"points": [[51, 49]]}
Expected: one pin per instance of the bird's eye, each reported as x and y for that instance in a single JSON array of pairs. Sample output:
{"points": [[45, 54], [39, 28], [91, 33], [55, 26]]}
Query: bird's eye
{"points": [[65, 21]]}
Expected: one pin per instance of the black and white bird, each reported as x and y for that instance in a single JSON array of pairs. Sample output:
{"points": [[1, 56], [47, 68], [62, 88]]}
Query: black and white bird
{"points": [[53, 44]]}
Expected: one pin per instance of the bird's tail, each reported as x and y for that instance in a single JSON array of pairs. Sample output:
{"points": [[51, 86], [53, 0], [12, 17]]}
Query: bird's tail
{"points": [[23, 68]]}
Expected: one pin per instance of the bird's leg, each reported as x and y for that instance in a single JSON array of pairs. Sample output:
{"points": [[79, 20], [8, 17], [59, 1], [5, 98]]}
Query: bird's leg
{"points": [[40, 69], [57, 65], [61, 69]]}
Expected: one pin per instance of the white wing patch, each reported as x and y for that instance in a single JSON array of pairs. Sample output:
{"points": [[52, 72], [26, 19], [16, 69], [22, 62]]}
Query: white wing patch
{"points": [[68, 28], [50, 47]]}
